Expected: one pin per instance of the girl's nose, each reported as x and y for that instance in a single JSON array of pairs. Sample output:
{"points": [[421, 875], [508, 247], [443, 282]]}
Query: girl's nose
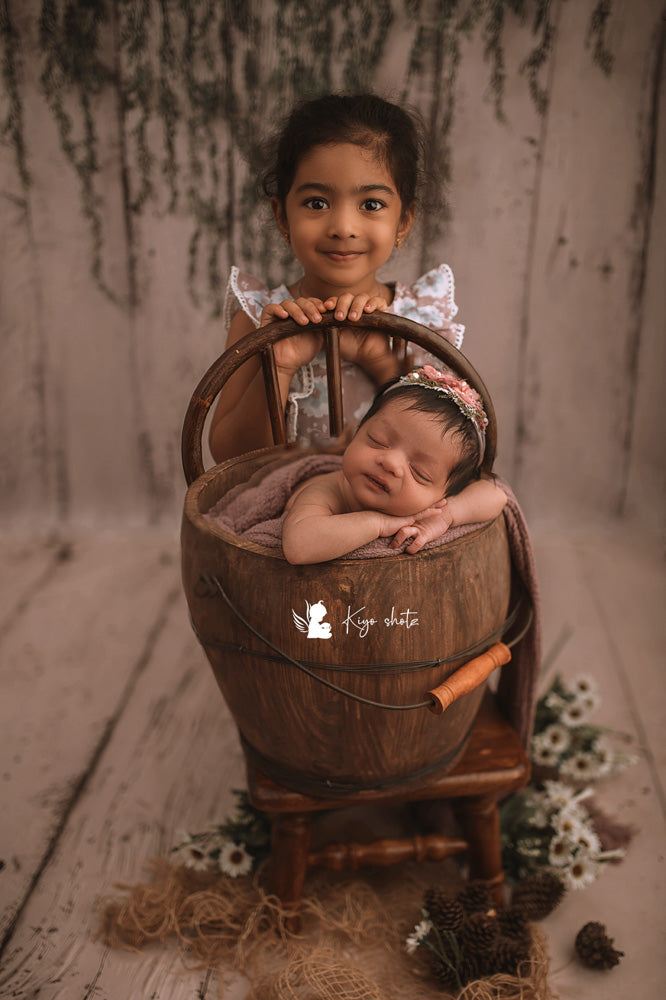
{"points": [[342, 223]]}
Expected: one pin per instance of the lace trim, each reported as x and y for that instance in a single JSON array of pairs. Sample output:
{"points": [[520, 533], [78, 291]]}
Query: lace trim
{"points": [[306, 376], [234, 290]]}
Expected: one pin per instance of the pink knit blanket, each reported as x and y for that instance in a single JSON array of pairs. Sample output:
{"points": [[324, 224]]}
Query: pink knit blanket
{"points": [[255, 511]]}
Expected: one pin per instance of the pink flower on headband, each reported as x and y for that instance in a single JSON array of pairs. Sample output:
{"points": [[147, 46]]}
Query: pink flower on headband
{"points": [[458, 391], [461, 388]]}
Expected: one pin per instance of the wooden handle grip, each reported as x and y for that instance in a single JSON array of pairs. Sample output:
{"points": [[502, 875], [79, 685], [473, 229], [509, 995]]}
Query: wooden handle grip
{"points": [[468, 677]]}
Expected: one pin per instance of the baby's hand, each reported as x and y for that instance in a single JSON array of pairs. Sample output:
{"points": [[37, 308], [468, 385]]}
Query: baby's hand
{"points": [[390, 523], [424, 527]]}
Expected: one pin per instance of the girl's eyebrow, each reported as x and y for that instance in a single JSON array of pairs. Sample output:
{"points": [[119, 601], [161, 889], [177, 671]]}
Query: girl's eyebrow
{"points": [[327, 188]]}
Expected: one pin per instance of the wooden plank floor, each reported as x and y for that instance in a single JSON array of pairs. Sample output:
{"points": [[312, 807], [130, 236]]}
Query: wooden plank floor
{"points": [[113, 736]]}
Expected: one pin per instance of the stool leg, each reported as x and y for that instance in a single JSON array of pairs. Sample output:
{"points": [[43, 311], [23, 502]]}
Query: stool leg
{"points": [[480, 818], [290, 844]]}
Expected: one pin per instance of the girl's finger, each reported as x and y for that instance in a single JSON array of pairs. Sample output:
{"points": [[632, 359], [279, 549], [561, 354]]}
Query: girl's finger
{"points": [[376, 304], [343, 304], [273, 312]]}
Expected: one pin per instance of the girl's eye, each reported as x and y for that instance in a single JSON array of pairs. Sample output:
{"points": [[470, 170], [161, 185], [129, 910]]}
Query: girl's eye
{"points": [[378, 444], [316, 203], [420, 475], [372, 205]]}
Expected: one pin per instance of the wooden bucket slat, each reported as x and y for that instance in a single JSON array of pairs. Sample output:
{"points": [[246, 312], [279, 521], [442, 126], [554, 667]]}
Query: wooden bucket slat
{"points": [[459, 592]]}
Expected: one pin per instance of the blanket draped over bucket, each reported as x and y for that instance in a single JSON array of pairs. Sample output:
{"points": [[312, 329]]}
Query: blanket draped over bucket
{"points": [[254, 511]]}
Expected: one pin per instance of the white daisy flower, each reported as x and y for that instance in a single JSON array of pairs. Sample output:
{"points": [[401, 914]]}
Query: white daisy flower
{"points": [[418, 935], [575, 714], [556, 736], [544, 755], [558, 794], [588, 842], [567, 824], [580, 766], [234, 860], [560, 853], [581, 872], [583, 684], [193, 856]]}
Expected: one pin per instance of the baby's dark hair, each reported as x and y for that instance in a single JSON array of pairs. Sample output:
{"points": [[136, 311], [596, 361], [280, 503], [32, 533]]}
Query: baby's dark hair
{"points": [[366, 120], [445, 412]]}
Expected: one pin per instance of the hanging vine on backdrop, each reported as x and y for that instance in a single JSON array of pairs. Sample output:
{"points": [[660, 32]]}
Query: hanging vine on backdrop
{"points": [[198, 83]]}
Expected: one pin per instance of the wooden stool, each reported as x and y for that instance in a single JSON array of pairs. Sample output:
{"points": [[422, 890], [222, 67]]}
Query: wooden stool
{"points": [[494, 763]]}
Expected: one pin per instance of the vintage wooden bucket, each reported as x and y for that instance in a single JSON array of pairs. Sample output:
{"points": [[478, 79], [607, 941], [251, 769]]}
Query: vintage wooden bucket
{"points": [[342, 705]]}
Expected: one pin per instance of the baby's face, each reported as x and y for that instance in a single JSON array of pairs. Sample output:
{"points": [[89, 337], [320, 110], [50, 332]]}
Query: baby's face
{"points": [[400, 461]]}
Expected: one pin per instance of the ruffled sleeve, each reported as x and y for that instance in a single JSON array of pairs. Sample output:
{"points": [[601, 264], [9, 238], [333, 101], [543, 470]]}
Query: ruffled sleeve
{"points": [[246, 293], [430, 301]]}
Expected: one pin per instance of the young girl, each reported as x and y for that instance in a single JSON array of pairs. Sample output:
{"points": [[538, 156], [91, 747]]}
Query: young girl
{"points": [[343, 190], [412, 471]]}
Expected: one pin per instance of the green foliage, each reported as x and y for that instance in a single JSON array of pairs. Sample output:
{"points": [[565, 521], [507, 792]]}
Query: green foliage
{"points": [[196, 84]]}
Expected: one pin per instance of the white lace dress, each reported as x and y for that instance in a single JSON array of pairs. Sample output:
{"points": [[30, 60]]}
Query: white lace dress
{"points": [[429, 301]]}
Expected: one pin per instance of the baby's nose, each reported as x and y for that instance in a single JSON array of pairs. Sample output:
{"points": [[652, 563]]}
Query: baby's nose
{"points": [[390, 461]]}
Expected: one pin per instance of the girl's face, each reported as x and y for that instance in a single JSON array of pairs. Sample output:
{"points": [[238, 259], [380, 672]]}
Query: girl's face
{"points": [[399, 462], [343, 215]]}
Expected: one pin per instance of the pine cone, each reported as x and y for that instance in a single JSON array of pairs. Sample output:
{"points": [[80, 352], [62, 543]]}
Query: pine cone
{"points": [[514, 923], [444, 975], [595, 948], [475, 897], [445, 912], [538, 895], [478, 933], [474, 965], [508, 954]]}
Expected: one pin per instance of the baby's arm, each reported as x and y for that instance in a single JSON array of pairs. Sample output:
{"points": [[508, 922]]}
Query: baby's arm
{"points": [[315, 531], [481, 501]]}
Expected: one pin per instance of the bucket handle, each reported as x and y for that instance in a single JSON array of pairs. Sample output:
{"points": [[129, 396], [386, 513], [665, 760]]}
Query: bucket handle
{"points": [[469, 676], [463, 680]]}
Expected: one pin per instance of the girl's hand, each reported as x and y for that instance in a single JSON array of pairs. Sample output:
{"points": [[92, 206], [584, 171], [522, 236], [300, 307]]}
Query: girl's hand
{"points": [[293, 352], [426, 526], [302, 310], [348, 306], [371, 350]]}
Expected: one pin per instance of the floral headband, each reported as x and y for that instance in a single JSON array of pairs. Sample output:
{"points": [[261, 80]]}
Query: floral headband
{"points": [[463, 395]]}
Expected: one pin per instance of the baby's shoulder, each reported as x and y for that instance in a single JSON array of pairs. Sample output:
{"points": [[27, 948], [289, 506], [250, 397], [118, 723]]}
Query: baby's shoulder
{"points": [[323, 491]]}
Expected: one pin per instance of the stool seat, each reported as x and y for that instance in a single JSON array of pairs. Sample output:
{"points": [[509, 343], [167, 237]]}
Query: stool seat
{"points": [[493, 764]]}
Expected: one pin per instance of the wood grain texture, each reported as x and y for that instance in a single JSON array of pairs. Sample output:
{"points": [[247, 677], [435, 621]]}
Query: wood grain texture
{"points": [[556, 240], [171, 753]]}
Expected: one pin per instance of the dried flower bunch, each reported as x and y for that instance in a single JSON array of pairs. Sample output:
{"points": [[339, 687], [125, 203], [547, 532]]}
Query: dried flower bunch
{"points": [[234, 847], [549, 829], [469, 940], [566, 741]]}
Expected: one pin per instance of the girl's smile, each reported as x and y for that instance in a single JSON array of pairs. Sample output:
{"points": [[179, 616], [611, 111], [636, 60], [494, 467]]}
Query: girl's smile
{"points": [[342, 215]]}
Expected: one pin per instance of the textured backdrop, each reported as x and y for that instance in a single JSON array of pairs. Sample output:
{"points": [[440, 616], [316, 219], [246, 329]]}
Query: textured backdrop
{"points": [[131, 142]]}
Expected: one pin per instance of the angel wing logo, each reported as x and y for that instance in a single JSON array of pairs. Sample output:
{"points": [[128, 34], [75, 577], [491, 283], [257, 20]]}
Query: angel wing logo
{"points": [[313, 623]]}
